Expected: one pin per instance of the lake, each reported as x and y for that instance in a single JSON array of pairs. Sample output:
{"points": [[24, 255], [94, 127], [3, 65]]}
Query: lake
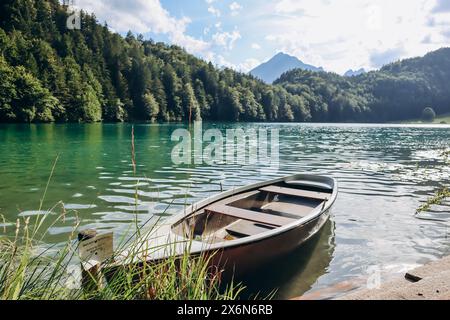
{"points": [[385, 173]]}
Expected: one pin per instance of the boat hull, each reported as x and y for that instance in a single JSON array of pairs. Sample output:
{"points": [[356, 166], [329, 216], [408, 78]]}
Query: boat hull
{"points": [[239, 260], [240, 256]]}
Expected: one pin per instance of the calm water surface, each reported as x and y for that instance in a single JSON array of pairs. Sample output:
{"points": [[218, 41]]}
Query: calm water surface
{"points": [[385, 173]]}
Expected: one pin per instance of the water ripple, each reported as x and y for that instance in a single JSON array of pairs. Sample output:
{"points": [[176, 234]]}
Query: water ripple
{"points": [[385, 173]]}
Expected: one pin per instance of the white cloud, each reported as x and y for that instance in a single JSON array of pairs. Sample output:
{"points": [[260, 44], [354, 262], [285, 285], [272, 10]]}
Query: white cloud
{"points": [[354, 33], [374, 20], [289, 6], [214, 11], [235, 8], [248, 65], [380, 58], [142, 16], [245, 66], [222, 62], [337, 35], [226, 39], [256, 46]]}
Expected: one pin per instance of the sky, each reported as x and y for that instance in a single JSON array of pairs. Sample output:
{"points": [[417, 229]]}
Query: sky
{"points": [[337, 35]]}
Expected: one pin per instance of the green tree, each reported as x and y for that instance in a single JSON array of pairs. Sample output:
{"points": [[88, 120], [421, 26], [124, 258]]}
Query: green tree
{"points": [[151, 107], [8, 91], [204, 105], [286, 113], [22, 97], [253, 111], [114, 111], [190, 103], [172, 86], [90, 105], [428, 114]]}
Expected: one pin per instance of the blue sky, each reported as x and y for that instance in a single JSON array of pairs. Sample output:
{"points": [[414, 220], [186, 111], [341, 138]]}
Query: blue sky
{"points": [[335, 34]]}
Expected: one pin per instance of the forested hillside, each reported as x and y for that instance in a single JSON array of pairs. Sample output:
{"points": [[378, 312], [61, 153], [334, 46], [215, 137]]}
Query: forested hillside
{"points": [[399, 91], [50, 73]]}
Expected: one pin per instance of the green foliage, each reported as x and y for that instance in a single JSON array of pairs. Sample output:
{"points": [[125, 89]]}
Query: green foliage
{"points": [[22, 97], [151, 107], [93, 74], [89, 105], [437, 199], [28, 272], [190, 103], [97, 75], [114, 111], [428, 114], [397, 92]]}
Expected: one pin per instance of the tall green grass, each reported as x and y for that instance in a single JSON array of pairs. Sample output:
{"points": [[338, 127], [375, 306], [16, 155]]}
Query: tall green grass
{"points": [[31, 271]]}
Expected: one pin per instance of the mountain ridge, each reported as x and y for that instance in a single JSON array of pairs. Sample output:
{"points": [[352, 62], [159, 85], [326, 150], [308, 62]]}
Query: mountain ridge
{"points": [[398, 91], [354, 73]]}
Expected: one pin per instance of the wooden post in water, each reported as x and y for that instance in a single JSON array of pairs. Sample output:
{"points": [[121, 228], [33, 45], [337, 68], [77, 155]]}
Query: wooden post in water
{"points": [[91, 278]]}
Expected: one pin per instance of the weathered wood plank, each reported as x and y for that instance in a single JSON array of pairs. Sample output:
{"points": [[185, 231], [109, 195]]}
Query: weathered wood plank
{"points": [[299, 210], [249, 215], [247, 228], [297, 192]]}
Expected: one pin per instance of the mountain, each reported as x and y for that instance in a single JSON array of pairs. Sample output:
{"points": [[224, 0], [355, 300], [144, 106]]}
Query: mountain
{"points": [[398, 91], [351, 73], [279, 64]]}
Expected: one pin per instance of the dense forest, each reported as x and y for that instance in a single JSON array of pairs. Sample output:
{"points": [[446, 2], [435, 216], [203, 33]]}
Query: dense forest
{"points": [[398, 91], [50, 73]]}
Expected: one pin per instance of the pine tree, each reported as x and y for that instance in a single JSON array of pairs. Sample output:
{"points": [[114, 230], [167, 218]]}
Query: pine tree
{"points": [[89, 105], [151, 107], [190, 104], [172, 86]]}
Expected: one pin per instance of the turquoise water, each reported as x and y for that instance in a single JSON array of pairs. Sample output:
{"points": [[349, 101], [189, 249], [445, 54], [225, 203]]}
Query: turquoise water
{"points": [[385, 173]]}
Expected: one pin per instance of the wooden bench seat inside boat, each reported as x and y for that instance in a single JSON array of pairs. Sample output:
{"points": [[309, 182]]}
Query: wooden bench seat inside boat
{"points": [[297, 192], [294, 209], [239, 197], [249, 215], [244, 228]]}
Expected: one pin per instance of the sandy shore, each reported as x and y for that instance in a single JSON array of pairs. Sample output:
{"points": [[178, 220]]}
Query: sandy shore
{"points": [[428, 282]]}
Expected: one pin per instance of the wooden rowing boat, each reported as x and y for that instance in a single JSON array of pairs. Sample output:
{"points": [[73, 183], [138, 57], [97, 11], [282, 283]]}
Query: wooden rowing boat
{"points": [[244, 227]]}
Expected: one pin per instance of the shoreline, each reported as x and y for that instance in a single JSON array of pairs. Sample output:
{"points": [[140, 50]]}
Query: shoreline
{"points": [[428, 282]]}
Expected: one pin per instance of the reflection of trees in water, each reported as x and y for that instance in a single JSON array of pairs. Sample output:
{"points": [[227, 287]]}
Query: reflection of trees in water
{"points": [[294, 274]]}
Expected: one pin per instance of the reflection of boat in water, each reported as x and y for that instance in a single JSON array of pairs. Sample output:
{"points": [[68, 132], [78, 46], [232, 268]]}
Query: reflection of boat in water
{"points": [[295, 273]]}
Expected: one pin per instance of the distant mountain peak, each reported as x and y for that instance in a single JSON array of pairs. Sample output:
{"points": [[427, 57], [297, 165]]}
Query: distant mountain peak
{"points": [[281, 54], [284, 55], [279, 64], [351, 73]]}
